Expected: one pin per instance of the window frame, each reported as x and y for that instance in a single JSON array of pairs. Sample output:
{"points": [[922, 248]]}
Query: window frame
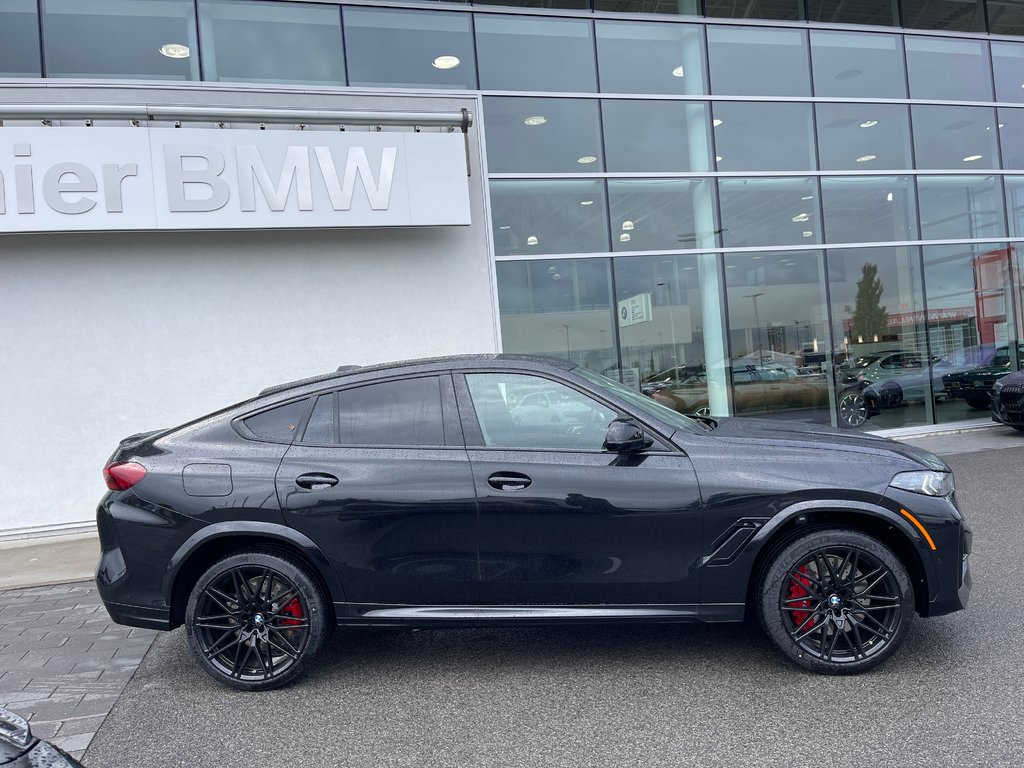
{"points": [[239, 425]]}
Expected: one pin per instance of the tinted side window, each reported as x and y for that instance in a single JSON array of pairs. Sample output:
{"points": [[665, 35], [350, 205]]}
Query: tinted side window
{"points": [[278, 423], [519, 411], [392, 413], [321, 428]]}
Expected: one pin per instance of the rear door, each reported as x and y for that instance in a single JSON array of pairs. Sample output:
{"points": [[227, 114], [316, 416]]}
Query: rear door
{"points": [[381, 481]]}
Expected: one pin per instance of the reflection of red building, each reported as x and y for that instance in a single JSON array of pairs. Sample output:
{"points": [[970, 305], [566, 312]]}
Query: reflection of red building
{"points": [[991, 270]]}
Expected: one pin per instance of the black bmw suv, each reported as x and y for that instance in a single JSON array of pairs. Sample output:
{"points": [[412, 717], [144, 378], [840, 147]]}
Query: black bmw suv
{"points": [[497, 489]]}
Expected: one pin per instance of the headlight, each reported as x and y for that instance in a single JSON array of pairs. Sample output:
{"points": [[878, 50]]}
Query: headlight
{"points": [[926, 482]]}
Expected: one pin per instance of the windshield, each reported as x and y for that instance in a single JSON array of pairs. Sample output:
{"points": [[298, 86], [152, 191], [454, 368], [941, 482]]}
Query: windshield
{"points": [[643, 403]]}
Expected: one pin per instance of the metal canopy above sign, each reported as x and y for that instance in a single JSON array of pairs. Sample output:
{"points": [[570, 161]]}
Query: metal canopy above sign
{"points": [[97, 178]]}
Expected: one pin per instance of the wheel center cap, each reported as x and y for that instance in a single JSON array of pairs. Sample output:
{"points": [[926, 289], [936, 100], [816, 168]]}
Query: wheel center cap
{"points": [[258, 620], [835, 601]]}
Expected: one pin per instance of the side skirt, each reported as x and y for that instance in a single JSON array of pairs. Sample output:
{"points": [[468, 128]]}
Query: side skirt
{"points": [[370, 614]]}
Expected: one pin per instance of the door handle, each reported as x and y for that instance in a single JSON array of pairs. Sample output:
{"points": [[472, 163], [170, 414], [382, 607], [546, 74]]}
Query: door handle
{"points": [[509, 481], [316, 481]]}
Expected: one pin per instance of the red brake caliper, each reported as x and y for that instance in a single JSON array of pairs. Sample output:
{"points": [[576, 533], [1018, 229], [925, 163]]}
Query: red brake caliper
{"points": [[796, 590], [294, 609]]}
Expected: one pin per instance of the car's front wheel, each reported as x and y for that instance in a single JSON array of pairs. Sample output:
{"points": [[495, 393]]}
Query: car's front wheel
{"points": [[852, 409], [977, 400], [254, 620], [836, 601]]}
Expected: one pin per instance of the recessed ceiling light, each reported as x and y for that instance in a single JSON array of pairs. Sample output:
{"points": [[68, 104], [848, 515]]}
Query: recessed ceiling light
{"points": [[505, 226], [807, 233], [678, 72], [586, 202], [755, 258], [532, 240], [587, 159], [802, 217], [1002, 125], [866, 158], [535, 120], [624, 237], [718, 158], [446, 62], [972, 158], [807, 197], [869, 124], [717, 122], [627, 225], [174, 50], [888, 197]]}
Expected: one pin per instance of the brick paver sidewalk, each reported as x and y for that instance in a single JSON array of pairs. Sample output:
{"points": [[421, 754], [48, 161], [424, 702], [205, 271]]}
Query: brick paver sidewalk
{"points": [[63, 662]]}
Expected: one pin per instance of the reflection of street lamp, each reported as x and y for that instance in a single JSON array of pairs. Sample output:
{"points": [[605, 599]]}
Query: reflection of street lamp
{"points": [[757, 324], [568, 352]]}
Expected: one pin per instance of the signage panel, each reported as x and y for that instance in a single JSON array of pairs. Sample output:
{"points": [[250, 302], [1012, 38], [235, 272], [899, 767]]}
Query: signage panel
{"points": [[76, 179], [635, 309]]}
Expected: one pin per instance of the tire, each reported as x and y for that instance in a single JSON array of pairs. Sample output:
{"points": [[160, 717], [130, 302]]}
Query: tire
{"points": [[852, 409], [977, 401], [836, 601], [1018, 427], [890, 394], [255, 620]]}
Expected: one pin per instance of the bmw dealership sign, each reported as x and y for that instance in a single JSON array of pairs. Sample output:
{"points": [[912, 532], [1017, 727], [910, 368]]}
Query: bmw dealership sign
{"points": [[74, 179]]}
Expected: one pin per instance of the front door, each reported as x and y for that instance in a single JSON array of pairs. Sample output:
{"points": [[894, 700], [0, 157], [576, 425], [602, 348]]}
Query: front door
{"points": [[381, 481], [564, 522]]}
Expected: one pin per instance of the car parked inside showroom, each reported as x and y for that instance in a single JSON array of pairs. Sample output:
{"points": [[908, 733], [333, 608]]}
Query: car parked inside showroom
{"points": [[1008, 400], [407, 494], [975, 384]]}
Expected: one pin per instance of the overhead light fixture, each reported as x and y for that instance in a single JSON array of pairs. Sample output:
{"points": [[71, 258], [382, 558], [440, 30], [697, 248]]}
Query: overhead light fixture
{"points": [[535, 120], [888, 197], [532, 240], [807, 233], [556, 276], [717, 122], [446, 62], [678, 72], [807, 197], [866, 158], [802, 217], [174, 51], [869, 124], [627, 225], [972, 158], [718, 158], [624, 237], [586, 202], [552, 269], [1002, 125], [587, 159], [505, 226]]}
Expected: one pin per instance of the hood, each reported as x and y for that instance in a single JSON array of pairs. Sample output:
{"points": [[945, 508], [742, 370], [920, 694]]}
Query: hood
{"points": [[769, 432]]}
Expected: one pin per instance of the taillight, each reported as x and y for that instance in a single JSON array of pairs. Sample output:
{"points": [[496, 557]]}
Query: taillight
{"points": [[122, 476]]}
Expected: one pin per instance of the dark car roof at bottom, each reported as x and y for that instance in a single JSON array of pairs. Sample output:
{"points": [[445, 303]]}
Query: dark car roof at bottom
{"points": [[428, 363]]}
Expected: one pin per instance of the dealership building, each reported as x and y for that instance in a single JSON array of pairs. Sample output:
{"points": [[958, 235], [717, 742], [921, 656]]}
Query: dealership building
{"points": [[202, 198]]}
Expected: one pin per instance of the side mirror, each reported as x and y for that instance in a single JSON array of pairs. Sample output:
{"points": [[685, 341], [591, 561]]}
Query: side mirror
{"points": [[625, 436]]}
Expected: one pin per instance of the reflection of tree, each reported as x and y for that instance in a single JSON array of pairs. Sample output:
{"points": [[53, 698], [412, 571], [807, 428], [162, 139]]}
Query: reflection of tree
{"points": [[868, 319]]}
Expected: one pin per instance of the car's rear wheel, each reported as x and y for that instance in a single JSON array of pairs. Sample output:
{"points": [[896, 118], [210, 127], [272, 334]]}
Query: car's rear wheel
{"points": [[852, 409], [836, 601], [890, 394], [255, 619]]}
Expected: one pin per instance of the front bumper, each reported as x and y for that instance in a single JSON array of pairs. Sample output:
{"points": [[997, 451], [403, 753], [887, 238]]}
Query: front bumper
{"points": [[1008, 405]]}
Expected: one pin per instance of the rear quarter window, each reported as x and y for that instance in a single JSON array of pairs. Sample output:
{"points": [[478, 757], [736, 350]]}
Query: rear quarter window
{"points": [[279, 423]]}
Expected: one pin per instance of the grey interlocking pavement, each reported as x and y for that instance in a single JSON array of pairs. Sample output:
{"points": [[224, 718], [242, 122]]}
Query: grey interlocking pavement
{"points": [[63, 662]]}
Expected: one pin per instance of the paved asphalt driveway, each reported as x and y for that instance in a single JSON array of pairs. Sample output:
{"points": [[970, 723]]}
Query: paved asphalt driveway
{"points": [[615, 696]]}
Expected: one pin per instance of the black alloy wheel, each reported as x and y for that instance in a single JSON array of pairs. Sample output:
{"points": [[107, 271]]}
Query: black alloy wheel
{"points": [[255, 619], [836, 601], [890, 395], [852, 409], [977, 400]]}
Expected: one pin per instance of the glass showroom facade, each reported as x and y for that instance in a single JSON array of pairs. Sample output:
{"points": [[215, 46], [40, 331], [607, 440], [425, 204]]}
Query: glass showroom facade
{"points": [[739, 215]]}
